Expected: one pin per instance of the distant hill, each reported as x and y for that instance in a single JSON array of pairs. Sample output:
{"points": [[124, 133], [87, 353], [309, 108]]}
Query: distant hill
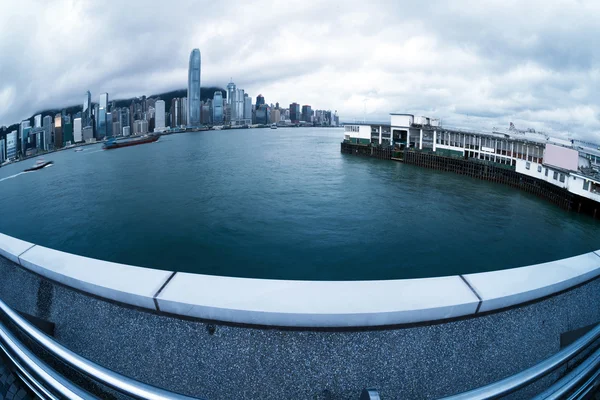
{"points": [[205, 94]]}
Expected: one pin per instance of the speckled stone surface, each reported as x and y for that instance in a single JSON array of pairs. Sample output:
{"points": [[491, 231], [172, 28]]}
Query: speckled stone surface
{"points": [[418, 362]]}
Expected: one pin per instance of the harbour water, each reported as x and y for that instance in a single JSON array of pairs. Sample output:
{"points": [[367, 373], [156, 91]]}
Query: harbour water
{"points": [[281, 204]]}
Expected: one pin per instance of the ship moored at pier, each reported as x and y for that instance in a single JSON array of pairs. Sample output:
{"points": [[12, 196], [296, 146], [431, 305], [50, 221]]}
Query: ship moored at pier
{"points": [[566, 172]]}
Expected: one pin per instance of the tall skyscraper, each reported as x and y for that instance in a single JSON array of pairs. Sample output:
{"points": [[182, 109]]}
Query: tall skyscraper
{"points": [[306, 113], [217, 108], [230, 92], [24, 130], [101, 130], [58, 133], [184, 112], [260, 100], [86, 115], [295, 113], [37, 121], [47, 125], [247, 107], [11, 145], [159, 123], [77, 132], [2, 150], [193, 102]]}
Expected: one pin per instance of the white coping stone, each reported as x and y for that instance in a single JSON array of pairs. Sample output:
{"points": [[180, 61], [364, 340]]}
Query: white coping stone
{"points": [[124, 283], [505, 288], [317, 303], [11, 247]]}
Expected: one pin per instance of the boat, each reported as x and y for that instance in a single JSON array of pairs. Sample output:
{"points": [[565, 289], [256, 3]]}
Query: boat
{"points": [[79, 149], [129, 141], [41, 163], [273, 126]]}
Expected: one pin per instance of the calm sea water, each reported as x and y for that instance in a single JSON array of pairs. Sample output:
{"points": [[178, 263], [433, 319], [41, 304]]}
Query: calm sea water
{"points": [[280, 204]]}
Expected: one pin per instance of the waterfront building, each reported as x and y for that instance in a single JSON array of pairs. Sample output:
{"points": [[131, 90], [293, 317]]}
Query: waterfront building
{"points": [[109, 125], [275, 116], [217, 103], [230, 91], [262, 115], [175, 112], [47, 126], [68, 136], [101, 129], [77, 130], [295, 113], [126, 131], [205, 115], [116, 128], [86, 116], [193, 104], [306, 113], [37, 138], [260, 100], [58, 132], [227, 114], [247, 108], [2, 150], [125, 120], [159, 124], [184, 112], [37, 121], [11, 145], [140, 127], [88, 134]]}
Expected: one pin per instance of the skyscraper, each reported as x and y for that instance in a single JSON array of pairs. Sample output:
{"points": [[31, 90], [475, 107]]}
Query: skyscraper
{"points": [[306, 113], [47, 125], [58, 135], [86, 115], [77, 133], [159, 124], [37, 121], [295, 113], [101, 117], [11, 145], [260, 100], [218, 108], [193, 96], [184, 112], [230, 92], [247, 108]]}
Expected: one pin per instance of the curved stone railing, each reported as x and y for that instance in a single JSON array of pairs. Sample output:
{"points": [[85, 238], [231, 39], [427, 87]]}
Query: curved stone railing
{"points": [[319, 304]]}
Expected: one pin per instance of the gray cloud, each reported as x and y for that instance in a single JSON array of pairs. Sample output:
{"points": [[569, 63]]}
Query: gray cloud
{"points": [[473, 64]]}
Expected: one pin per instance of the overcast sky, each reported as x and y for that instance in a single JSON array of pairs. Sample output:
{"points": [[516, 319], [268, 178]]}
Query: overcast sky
{"points": [[478, 64]]}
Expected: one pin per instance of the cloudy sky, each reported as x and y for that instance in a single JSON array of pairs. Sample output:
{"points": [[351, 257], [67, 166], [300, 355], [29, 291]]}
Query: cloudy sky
{"points": [[478, 64]]}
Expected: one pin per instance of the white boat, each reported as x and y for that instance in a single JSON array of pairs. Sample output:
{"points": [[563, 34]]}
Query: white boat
{"points": [[273, 126]]}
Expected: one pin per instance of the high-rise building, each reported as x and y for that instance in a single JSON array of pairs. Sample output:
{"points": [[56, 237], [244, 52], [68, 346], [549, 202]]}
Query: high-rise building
{"points": [[37, 121], [86, 115], [68, 136], [217, 106], [206, 113], [126, 131], [184, 112], [230, 92], [247, 108], [277, 105], [306, 113], [260, 100], [47, 125], [159, 122], [193, 106], [11, 145], [125, 120], [275, 116], [58, 132], [239, 106], [262, 114], [2, 150], [24, 130], [77, 132], [295, 113], [109, 125], [104, 100]]}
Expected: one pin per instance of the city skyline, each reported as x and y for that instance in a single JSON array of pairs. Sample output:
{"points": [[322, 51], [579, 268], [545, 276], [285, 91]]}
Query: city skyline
{"points": [[423, 59]]}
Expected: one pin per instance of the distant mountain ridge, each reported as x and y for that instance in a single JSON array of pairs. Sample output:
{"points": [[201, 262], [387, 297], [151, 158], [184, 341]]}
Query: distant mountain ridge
{"points": [[205, 94]]}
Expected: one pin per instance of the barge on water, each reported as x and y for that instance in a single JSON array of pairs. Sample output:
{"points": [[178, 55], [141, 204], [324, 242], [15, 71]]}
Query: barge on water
{"points": [[565, 172], [129, 141]]}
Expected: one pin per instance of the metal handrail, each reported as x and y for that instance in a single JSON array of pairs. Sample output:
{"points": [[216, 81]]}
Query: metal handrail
{"points": [[32, 364], [515, 382]]}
